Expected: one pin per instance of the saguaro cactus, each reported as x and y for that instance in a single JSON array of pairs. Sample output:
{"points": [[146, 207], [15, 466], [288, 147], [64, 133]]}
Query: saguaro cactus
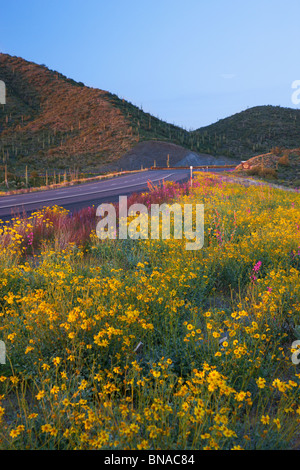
{"points": [[26, 177], [5, 176]]}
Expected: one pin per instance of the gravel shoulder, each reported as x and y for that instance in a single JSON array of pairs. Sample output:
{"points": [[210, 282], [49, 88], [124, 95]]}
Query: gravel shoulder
{"points": [[252, 182]]}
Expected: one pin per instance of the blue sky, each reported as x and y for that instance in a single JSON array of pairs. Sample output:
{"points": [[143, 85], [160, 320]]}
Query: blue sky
{"points": [[189, 62]]}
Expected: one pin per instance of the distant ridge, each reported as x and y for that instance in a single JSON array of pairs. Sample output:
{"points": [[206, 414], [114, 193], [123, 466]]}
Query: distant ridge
{"points": [[253, 131]]}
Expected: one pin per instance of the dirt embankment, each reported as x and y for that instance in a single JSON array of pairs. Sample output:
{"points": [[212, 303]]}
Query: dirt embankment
{"points": [[156, 153]]}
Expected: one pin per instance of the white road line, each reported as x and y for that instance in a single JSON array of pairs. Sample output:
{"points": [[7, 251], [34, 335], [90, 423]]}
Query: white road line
{"points": [[84, 194]]}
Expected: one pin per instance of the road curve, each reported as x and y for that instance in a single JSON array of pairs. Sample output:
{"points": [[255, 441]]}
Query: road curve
{"points": [[76, 197], [83, 195]]}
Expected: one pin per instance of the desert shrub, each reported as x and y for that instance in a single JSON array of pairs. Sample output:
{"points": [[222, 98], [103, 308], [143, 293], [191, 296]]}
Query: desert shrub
{"points": [[277, 150], [262, 172], [268, 173], [284, 160]]}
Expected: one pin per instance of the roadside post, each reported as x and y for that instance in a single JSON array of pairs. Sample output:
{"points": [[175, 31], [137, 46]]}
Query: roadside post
{"points": [[191, 169]]}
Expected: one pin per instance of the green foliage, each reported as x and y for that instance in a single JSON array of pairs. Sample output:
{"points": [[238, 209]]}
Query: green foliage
{"points": [[254, 131]]}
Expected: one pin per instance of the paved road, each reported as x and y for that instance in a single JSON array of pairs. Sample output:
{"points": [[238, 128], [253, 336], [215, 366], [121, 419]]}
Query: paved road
{"points": [[76, 197], [87, 194]]}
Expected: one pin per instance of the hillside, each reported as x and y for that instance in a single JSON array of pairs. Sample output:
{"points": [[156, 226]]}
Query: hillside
{"points": [[280, 164], [157, 153], [50, 122], [254, 131]]}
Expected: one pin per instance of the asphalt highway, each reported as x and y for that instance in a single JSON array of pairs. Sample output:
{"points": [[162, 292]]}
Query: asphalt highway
{"points": [[76, 197]]}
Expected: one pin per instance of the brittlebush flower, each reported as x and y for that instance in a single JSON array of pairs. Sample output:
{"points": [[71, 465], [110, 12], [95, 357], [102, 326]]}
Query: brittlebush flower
{"points": [[48, 428], [56, 361], [261, 383], [40, 395], [265, 419], [102, 391], [240, 396], [16, 432], [143, 445], [277, 422]]}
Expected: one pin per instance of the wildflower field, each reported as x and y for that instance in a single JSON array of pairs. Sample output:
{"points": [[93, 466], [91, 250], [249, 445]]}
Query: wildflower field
{"points": [[141, 344]]}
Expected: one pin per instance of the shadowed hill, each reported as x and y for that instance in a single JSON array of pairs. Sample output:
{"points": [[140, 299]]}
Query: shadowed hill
{"points": [[156, 153]]}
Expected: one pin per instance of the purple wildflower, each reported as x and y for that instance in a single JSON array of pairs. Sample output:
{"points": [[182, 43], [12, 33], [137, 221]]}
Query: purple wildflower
{"points": [[255, 270]]}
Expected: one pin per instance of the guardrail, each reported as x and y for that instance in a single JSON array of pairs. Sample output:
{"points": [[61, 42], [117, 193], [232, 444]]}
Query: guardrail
{"points": [[194, 167], [68, 183]]}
